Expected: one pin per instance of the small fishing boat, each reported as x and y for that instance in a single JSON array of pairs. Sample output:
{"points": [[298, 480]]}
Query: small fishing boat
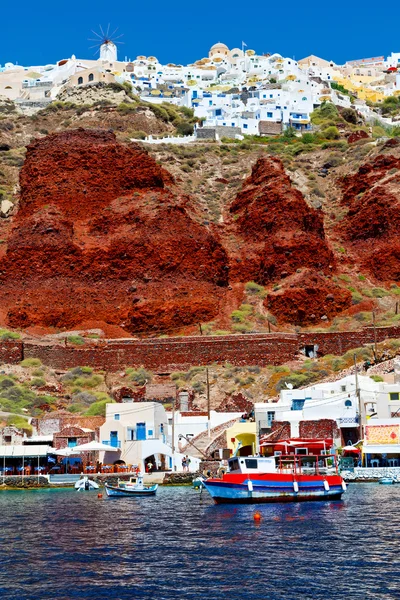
{"points": [[387, 480], [133, 487], [198, 482], [290, 478], [85, 484]]}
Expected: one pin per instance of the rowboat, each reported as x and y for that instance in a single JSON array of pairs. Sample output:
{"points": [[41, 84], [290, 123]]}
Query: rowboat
{"points": [[133, 487], [290, 478]]}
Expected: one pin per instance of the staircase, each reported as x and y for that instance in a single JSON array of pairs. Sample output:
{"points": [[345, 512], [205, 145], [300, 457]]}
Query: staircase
{"points": [[198, 445]]}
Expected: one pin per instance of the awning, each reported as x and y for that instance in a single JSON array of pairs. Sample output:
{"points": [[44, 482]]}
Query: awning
{"points": [[19, 451], [90, 447], [381, 449]]}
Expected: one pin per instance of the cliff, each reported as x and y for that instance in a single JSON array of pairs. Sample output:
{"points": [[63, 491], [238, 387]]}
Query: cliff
{"points": [[102, 233]]}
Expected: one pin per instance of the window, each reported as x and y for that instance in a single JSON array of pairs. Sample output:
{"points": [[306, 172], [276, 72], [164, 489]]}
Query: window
{"points": [[394, 395], [348, 403], [270, 417], [342, 388], [301, 451], [251, 463], [245, 126], [117, 417], [297, 404], [80, 80], [7, 439], [72, 442], [150, 433], [269, 115], [91, 77], [234, 464]]}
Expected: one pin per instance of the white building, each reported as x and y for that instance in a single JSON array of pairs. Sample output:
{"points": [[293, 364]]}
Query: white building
{"points": [[140, 429]]}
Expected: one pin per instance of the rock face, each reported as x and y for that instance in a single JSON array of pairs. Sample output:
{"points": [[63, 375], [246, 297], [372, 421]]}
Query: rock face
{"points": [[281, 233], [306, 298], [372, 222], [102, 233]]}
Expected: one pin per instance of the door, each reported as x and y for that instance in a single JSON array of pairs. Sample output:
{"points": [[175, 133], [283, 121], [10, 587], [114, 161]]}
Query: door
{"points": [[114, 439], [140, 431]]}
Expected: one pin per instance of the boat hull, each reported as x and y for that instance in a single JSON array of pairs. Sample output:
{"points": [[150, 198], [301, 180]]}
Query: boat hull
{"points": [[116, 492], [256, 491]]}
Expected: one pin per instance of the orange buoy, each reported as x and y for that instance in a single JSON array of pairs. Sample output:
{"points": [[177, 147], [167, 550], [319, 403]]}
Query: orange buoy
{"points": [[257, 517], [99, 495]]}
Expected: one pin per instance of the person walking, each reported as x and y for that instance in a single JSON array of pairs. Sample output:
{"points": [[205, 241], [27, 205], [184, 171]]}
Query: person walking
{"points": [[183, 464]]}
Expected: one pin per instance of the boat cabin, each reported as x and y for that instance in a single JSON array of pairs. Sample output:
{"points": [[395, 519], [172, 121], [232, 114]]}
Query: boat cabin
{"points": [[252, 464], [284, 463]]}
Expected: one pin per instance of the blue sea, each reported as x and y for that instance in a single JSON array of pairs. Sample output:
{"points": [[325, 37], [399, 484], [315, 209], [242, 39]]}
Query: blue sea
{"points": [[60, 544]]}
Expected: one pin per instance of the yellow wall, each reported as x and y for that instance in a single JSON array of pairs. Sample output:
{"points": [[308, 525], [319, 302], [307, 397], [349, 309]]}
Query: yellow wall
{"points": [[245, 432]]}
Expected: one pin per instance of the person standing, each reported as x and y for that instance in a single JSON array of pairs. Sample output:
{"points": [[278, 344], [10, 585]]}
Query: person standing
{"points": [[187, 459]]}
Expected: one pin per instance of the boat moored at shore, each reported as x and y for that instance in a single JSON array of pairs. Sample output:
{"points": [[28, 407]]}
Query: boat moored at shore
{"points": [[133, 487], [291, 478]]}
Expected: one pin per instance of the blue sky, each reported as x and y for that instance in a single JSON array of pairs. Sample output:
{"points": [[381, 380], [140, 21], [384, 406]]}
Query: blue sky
{"points": [[180, 31]]}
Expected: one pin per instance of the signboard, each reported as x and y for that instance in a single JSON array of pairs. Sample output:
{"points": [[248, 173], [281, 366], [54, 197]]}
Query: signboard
{"points": [[382, 434]]}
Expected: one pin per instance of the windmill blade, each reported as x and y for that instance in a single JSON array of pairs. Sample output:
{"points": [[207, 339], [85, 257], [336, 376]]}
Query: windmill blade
{"points": [[95, 33], [114, 32], [108, 30], [102, 32]]}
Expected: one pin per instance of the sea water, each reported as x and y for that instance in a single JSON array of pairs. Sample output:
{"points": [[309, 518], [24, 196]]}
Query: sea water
{"points": [[62, 544]]}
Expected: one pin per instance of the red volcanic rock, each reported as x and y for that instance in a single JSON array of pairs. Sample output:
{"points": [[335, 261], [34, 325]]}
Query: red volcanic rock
{"points": [[281, 232], [102, 234], [305, 298], [356, 136], [372, 222]]}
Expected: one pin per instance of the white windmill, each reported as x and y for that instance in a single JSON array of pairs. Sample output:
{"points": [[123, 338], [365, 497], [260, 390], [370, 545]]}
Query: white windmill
{"points": [[106, 44]]}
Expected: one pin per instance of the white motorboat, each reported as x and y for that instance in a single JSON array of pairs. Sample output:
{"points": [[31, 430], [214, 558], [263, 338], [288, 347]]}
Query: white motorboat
{"points": [[86, 485]]}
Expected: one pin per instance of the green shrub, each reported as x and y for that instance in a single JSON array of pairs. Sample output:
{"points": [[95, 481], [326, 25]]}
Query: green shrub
{"points": [[38, 382], [98, 409], [9, 335], [20, 423], [356, 297], [140, 376], [379, 292], [254, 288], [377, 378], [76, 340], [31, 362], [331, 133], [137, 135]]}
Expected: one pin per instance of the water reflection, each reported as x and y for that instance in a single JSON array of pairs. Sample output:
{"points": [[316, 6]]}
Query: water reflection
{"points": [[178, 545]]}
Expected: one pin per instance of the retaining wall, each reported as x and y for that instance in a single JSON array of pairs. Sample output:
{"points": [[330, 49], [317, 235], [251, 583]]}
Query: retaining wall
{"points": [[171, 353], [177, 353]]}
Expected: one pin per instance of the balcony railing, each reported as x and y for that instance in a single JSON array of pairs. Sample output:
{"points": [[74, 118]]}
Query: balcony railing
{"points": [[112, 443], [348, 421]]}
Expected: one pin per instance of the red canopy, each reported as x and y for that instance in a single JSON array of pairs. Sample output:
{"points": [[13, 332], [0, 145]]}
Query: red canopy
{"points": [[312, 443]]}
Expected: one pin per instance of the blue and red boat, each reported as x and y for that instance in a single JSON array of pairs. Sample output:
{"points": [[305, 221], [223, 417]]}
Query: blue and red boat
{"points": [[283, 478]]}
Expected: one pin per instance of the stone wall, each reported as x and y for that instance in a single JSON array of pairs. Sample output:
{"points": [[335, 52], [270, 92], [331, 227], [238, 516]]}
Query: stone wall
{"points": [[56, 422], [172, 354], [23, 482], [338, 342], [322, 428], [11, 351]]}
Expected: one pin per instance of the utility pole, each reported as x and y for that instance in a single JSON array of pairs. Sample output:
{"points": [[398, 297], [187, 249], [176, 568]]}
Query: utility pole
{"points": [[208, 395], [173, 430], [208, 403], [358, 394], [375, 347]]}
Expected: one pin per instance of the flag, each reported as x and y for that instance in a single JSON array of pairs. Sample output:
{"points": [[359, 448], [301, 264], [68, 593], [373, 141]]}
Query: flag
{"points": [[243, 44], [50, 459]]}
